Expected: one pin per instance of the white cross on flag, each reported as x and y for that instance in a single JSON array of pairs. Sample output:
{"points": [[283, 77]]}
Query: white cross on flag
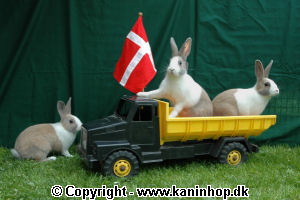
{"points": [[135, 68]]}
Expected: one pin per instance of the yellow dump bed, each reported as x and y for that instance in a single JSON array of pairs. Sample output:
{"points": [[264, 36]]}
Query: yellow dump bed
{"points": [[200, 128]]}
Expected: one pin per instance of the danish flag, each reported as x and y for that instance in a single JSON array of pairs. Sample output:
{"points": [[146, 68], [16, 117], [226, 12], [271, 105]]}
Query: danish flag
{"points": [[135, 68]]}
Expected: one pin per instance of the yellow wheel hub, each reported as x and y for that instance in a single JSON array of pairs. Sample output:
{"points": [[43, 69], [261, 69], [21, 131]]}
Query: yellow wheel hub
{"points": [[234, 157], [122, 168]]}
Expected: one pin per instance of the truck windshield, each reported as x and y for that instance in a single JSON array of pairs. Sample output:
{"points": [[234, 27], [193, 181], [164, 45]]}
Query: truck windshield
{"points": [[123, 108]]}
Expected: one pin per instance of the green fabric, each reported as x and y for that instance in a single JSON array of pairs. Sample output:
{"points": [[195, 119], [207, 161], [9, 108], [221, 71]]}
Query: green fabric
{"points": [[54, 49]]}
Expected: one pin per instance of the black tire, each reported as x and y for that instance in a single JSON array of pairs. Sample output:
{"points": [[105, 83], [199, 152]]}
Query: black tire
{"points": [[233, 153], [254, 148], [121, 164]]}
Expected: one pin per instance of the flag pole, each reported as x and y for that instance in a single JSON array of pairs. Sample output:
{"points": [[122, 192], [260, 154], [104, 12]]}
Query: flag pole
{"points": [[141, 14]]}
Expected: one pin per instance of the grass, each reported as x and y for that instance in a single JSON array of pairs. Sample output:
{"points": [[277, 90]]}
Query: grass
{"points": [[273, 173]]}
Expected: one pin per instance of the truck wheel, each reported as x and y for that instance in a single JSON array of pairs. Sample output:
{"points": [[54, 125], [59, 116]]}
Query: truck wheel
{"points": [[121, 164], [233, 154]]}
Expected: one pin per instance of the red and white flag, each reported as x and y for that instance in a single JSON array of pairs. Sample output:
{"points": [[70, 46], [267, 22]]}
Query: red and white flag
{"points": [[135, 68]]}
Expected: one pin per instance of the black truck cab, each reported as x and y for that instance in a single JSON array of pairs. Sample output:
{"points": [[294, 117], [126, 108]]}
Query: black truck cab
{"points": [[133, 127]]}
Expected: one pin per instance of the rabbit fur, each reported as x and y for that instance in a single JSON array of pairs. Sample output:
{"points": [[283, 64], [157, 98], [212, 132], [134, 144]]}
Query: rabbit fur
{"points": [[188, 97], [251, 101], [37, 141]]}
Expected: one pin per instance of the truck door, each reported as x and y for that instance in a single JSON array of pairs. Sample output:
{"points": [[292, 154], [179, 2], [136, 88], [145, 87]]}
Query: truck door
{"points": [[142, 126]]}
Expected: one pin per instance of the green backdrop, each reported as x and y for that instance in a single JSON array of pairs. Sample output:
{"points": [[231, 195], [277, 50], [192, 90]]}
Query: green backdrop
{"points": [[53, 49]]}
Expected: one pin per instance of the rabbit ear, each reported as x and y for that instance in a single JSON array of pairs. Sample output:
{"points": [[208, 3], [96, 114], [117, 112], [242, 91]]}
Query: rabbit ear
{"points": [[186, 48], [173, 47], [259, 70], [267, 69], [61, 109], [68, 106]]}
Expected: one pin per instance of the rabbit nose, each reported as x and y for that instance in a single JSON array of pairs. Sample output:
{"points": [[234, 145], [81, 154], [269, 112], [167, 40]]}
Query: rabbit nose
{"points": [[277, 91], [171, 69]]}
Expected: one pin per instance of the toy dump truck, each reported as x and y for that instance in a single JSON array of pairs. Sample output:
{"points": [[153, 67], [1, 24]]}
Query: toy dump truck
{"points": [[140, 131]]}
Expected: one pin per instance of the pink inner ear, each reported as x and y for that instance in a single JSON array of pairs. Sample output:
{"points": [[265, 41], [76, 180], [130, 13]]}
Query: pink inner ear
{"points": [[187, 46], [186, 49], [60, 108], [259, 70]]}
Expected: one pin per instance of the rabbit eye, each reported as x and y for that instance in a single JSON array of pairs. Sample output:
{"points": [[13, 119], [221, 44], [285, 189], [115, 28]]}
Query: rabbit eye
{"points": [[71, 121], [267, 84], [180, 62]]}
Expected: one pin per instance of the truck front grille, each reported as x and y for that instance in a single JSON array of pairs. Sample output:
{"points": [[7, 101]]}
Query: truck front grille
{"points": [[83, 142]]}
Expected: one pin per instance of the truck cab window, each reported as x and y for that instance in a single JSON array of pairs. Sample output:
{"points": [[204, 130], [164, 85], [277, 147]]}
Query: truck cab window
{"points": [[123, 108], [143, 113]]}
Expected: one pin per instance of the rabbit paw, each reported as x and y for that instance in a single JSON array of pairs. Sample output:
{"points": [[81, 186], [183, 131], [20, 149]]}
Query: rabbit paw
{"points": [[173, 114], [50, 158], [67, 154], [142, 94]]}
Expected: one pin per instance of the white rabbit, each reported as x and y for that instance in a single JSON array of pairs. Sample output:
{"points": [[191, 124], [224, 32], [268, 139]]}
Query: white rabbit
{"points": [[188, 97], [252, 101], [37, 141]]}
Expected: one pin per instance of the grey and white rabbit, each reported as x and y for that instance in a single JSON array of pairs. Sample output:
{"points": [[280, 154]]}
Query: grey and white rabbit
{"points": [[188, 97], [37, 141], [251, 101]]}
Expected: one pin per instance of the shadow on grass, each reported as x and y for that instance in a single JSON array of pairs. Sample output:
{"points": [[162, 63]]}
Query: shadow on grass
{"points": [[206, 161], [181, 163]]}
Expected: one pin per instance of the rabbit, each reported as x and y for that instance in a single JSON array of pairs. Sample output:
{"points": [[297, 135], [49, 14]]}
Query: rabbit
{"points": [[252, 101], [188, 97], [37, 141]]}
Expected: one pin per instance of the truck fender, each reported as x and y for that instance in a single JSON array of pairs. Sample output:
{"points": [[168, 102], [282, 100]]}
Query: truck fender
{"points": [[217, 147], [133, 150]]}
